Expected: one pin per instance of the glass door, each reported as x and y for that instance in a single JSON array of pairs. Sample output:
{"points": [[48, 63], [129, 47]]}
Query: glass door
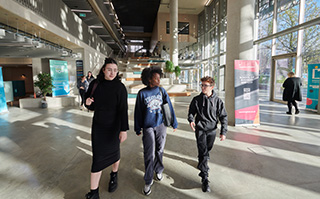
{"points": [[281, 65]]}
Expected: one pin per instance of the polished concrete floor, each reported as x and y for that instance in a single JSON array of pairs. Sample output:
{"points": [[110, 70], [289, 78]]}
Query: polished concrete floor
{"points": [[46, 154]]}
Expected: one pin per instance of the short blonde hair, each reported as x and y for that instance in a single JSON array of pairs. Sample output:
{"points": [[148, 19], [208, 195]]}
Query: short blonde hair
{"points": [[291, 74]]}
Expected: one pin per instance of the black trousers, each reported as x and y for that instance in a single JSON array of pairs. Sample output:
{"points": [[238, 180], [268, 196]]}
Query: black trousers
{"points": [[205, 141], [82, 92], [290, 103]]}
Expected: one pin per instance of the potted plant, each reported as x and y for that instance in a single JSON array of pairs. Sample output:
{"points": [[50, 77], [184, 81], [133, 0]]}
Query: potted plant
{"points": [[177, 72], [169, 67], [44, 83]]}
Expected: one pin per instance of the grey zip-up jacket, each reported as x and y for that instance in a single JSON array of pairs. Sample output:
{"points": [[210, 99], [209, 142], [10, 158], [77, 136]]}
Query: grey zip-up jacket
{"points": [[207, 111]]}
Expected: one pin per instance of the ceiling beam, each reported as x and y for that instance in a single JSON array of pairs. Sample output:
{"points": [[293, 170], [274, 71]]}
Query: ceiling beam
{"points": [[106, 24], [138, 34]]}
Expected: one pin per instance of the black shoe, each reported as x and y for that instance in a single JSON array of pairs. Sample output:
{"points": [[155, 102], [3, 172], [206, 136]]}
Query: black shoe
{"points": [[92, 195], [113, 183], [297, 112], [289, 113], [205, 185]]}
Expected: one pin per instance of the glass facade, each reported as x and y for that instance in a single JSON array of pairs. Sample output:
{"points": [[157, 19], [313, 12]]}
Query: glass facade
{"points": [[209, 52], [279, 33]]}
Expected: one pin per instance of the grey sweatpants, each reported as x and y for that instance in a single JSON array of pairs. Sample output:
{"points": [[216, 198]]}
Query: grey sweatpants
{"points": [[154, 140]]}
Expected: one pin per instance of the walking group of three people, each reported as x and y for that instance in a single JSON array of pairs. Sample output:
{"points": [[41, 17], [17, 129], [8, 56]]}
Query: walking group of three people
{"points": [[107, 96]]}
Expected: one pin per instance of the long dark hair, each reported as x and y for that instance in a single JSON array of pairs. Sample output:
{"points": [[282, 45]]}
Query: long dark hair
{"points": [[109, 60]]}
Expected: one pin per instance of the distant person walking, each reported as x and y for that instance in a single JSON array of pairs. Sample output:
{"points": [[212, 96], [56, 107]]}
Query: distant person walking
{"points": [[292, 92], [109, 124], [83, 87], [205, 111], [90, 77], [148, 118]]}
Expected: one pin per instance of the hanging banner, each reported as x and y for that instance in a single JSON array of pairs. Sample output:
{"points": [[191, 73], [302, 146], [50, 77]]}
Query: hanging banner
{"points": [[246, 80], [59, 73], [3, 103], [313, 86]]}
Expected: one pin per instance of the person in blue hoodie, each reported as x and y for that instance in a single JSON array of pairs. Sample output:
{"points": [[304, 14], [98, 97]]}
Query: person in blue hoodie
{"points": [[148, 118], [205, 111]]}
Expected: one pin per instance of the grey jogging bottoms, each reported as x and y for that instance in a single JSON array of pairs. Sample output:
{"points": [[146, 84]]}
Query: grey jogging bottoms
{"points": [[154, 140]]}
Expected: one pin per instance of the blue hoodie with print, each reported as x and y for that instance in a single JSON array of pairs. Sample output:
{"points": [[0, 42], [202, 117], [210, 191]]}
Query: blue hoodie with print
{"points": [[147, 111]]}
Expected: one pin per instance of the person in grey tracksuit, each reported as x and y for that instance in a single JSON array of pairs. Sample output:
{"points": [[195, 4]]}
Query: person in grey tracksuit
{"points": [[205, 111]]}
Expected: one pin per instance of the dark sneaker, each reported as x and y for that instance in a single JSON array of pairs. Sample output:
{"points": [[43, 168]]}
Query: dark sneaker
{"points": [[147, 189], [289, 113], [159, 176], [297, 112], [113, 183], [205, 185], [91, 195]]}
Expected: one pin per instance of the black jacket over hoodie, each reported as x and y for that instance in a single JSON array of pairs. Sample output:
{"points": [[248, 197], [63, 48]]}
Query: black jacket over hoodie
{"points": [[207, 111]]}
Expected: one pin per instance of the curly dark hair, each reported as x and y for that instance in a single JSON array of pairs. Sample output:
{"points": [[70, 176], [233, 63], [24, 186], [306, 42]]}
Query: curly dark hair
{"points": [[147, 74], [109, 60]]}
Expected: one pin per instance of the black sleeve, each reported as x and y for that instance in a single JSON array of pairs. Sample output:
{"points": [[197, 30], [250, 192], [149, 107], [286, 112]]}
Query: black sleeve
{"points": [[87, 95], [192, 110], [223, 118], [285, 83], [123, 108]]}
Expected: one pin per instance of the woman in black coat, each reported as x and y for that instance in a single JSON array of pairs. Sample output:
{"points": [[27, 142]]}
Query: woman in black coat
{"points": [[292, 92], [109, 124]]}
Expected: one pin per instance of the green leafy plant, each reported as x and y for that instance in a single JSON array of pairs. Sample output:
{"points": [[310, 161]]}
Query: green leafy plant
{"points": [[177, 71], [169, 67], [44, 83]]}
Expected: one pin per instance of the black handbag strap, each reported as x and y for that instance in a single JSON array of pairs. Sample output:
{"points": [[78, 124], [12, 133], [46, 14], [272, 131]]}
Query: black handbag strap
{"points": [[94, 88], [163, 99]]}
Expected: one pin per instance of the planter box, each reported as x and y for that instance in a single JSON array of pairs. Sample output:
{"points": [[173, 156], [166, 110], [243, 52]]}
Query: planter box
{"points": [[53, 102]]}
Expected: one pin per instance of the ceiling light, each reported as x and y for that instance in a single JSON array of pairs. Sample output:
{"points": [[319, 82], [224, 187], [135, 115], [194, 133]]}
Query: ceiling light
{"points": [[208, 2], [95, 26], [76, 10], [104, 35], [2, 33], [111, 5], [20, 38]]}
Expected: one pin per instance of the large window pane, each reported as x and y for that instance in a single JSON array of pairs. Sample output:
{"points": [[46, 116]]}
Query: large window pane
{"points": [[265, 26], [264, 57], [265, 18], [312, 9], [223, 36], [286, 44], [287, 14], [283, 66], [310, 54]]}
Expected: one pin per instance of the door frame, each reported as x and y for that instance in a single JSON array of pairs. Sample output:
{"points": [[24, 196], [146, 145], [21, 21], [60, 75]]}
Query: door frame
{"points": [[273, 74]]}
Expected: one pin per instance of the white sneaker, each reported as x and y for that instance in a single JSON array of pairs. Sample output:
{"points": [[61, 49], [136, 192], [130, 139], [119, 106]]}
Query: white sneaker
{"points": [[147, 189], [159, 176]]}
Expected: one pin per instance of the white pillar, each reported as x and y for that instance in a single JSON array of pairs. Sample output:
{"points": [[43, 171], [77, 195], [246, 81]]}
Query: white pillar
{"points": [[274, 28], [174, 32], [240, 35], [300, 40]]}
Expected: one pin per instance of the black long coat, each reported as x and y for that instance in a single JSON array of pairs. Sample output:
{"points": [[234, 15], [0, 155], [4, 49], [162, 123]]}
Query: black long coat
{"points": [[292, 89]]}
